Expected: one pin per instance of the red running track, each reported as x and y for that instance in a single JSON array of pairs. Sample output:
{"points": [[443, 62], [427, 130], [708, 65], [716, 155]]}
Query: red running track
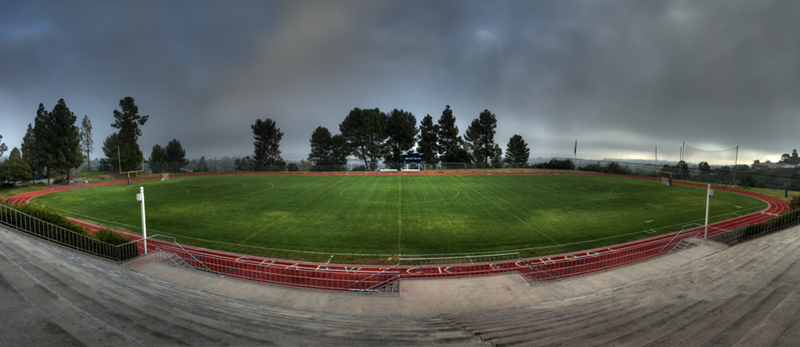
{"points": [[339, 277]]}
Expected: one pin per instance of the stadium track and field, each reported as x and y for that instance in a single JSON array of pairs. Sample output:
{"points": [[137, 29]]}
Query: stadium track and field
{"points": [[382, 279]]}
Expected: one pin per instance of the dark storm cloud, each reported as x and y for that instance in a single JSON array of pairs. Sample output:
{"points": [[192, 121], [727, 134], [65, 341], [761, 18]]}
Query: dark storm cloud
{"points": [[621, 76]]}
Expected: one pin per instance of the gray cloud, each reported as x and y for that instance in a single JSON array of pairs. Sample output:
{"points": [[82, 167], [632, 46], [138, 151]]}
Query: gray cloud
{"points": [[621, 76]]}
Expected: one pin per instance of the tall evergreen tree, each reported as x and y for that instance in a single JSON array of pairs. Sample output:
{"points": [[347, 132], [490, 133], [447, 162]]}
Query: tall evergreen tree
{"points": [[67, 138], [450, 144], [15, 154], [365, 131], [428, 143], [57, 143], [480, 135], [43, 146], [320, 147], [158, 159], [267, 155], [401, 126], [128, 122], [110, 150], [28, 149], [87, 143], [3, 147], [202, 166], [175, 156], [517, 151]]}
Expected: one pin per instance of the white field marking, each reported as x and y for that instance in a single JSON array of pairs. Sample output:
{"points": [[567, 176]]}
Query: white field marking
{"points": [[399, 215]]}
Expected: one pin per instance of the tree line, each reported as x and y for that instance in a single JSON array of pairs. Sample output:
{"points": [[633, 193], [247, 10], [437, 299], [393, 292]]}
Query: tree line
{"points": [[372, 135], [54, 144]]}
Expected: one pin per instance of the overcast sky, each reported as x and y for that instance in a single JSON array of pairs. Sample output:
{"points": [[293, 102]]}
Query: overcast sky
{"points": [[619, 76]]}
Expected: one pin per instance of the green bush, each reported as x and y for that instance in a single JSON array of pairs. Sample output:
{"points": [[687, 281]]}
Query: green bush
{"points": [[795, 204], [111, 236], [103, 242]]}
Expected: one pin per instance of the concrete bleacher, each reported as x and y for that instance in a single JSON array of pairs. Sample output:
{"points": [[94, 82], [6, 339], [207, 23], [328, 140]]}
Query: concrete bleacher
{"points": [[712, 295]]}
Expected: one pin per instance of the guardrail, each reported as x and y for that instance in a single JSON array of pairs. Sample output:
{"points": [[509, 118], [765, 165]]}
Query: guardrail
{"points": [[316, 276], [65, 237], [749, 231], [373, 279]]}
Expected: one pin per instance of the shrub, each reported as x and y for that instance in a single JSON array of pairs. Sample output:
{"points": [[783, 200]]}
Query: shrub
{"points": [[795, 204], [111, 236], [102, 243]]}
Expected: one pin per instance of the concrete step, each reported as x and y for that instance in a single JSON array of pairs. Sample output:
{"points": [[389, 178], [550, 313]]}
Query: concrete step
{"points": [[652, 331], [611, 331], [42, 315], [681, 331], [784, 284], [158, 313], [777, 324]]}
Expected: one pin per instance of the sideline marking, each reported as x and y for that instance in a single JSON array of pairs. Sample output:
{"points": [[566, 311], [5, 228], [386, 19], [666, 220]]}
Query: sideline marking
{"points": [[509, 212], [399, 215], [298, 207]]}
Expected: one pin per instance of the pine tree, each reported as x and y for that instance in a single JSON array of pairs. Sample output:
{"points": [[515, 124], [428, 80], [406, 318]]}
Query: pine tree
{"points": [[128, 122], [267, 155], [517, 151], [449, 141], [401, 127], [175, 156], [320, 141], [110, 150], [202, 166], [480, 135], [28, 149], [87, 143], [3, 147], [157, 160], [57, 145], [428, 143]]}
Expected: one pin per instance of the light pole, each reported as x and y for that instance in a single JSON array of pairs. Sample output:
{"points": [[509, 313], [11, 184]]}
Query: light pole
{"points": [[709, 193], [140, 197]]}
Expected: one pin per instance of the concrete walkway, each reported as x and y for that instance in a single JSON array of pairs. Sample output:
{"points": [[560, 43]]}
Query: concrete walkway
{"points": [[423, 297]]}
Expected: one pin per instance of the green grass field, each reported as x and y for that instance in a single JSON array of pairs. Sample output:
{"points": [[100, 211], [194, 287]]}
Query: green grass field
{"points": [[382, 216]]}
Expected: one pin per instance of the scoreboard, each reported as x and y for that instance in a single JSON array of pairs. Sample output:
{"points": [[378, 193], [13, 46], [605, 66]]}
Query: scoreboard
{"points": [[413, 158]]}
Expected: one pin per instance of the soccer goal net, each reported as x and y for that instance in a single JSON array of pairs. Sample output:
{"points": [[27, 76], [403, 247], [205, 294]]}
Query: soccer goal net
{"points": [[165, 177], [454, 166], [713, 166]]}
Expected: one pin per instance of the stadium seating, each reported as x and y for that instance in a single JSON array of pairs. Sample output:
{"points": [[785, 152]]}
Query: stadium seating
{"points": [[744, 295]]}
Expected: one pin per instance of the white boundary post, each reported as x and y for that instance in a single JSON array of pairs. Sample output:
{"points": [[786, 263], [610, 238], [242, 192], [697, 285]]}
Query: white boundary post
{"points": [[708, 199], [144, 225]]}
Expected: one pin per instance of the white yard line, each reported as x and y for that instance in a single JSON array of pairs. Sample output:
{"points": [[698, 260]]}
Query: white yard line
{"points": [[399, 215]]}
